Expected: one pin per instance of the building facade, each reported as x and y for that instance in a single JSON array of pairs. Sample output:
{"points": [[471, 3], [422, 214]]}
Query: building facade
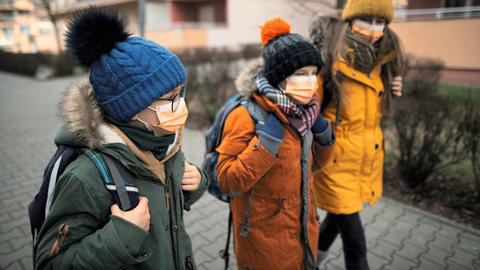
{"points": [[17, 26], [447, 30], [179, 24]]}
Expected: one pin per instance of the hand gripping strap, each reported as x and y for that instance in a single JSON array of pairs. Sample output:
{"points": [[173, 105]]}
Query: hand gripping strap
{"points": [[116, 184]]}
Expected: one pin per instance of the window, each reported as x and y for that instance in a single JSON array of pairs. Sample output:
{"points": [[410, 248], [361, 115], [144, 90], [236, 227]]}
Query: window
{"points": [[455, 3], [476, 3], [199, 13], [25, 29], [6, 15], [44, 30], [24, 12], [207, 13], [8, 33], [6, 12]]}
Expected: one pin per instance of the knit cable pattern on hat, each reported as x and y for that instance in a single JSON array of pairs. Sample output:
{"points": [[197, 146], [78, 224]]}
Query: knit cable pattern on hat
{"points": [[133, 75]]}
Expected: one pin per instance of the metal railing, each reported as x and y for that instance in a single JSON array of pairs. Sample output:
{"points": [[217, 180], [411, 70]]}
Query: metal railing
{"points": [[437, 13]]}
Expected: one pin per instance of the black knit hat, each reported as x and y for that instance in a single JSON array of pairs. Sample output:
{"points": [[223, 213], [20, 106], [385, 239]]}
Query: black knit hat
{"points": [[285, 52]]}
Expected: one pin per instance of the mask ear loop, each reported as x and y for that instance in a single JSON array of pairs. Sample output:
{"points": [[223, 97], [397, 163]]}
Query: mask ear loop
{"points": [[147, 125], [183, 92]]}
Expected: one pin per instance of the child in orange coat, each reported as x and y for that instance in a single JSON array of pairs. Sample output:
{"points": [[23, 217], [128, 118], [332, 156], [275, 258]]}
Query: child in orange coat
{"points": [[270, 163]]}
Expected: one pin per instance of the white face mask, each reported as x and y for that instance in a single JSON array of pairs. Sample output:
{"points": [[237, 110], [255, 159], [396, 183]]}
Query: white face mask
{"points": [[368, 31]]}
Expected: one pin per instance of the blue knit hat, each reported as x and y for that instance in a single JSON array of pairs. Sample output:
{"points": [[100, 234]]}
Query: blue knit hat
{"points": [[127, 73]]}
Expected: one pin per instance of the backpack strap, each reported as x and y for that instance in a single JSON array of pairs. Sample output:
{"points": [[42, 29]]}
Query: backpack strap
{"points": [[255, 110], [225, 254], [114, 177], [61, 159], [231, 104], [259, 115], [246, 224], [119, 184], [40, 205]]}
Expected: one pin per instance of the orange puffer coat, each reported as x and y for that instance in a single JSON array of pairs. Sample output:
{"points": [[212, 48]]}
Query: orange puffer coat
{"points": [[354, 175], [283, 232]]}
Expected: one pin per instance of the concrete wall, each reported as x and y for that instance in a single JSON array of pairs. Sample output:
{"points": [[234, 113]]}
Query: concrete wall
{"points": [[179, 38], [157, 16], [245, 16], [243, 19], [455, 42]]}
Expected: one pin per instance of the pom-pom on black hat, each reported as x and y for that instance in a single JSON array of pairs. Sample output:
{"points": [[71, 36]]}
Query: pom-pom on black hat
{"points": [[92, 33], [285, 52]]}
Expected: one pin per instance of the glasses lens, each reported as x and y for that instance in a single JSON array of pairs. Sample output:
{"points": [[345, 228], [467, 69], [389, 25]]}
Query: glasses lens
{"points": [[175, 103]]}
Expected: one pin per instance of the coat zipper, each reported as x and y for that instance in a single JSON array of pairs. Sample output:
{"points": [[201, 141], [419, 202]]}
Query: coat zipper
{"points": [[167, 198]]}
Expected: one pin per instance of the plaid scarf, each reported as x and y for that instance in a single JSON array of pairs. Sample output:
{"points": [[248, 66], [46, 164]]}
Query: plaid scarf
{"points": [[301, 117]]}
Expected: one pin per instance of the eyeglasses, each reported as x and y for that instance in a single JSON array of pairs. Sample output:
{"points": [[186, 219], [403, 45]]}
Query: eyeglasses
{"points": [[175, 100]]}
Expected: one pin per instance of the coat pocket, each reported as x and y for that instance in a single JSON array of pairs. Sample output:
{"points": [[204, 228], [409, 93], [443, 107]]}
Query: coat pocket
{"points": [[61, 235], [265, 210], [189, 263]]}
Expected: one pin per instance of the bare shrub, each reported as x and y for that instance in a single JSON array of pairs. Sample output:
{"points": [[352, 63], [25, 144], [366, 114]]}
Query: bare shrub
{"points": [[427, 126], [211, 73], [470, 123]]}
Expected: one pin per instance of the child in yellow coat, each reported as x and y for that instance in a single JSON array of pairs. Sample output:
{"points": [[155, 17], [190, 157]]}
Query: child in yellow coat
{"points": [[363, 60]]}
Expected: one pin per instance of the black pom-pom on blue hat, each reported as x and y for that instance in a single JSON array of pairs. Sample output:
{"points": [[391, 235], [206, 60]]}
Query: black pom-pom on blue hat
{"points": [[92, 33], [127, 73]]}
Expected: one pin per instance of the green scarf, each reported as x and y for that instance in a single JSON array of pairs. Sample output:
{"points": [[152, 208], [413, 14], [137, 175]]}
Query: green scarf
{"points": [[145, 139], [360, 53], [363, 55]]}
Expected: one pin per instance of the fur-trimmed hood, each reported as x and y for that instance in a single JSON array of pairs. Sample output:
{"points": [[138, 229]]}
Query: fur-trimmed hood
{"points": [[323, 29], [82, 115], [244, 82]]}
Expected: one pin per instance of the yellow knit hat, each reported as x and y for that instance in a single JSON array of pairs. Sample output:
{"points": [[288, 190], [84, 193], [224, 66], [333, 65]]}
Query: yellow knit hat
{"points": [[379, 8]]}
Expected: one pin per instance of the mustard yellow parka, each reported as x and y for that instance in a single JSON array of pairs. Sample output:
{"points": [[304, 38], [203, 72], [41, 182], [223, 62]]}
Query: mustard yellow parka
{"points": [[354, 175]]}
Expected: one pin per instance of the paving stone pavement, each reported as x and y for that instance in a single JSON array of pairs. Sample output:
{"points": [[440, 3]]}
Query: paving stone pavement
{"points": [[398, 236]]}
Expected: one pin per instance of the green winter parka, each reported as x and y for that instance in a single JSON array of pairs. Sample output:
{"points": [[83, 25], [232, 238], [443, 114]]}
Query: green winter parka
{"points": [[80, 232]]}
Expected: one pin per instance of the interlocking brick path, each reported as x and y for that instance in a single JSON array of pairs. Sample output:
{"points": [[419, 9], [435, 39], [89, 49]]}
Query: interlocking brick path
{"points": [[398, 236]]}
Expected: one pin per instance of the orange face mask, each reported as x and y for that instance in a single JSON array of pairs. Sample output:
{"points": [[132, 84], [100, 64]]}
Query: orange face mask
{"points": [[301, 88], [370, 32], [169, 120]]}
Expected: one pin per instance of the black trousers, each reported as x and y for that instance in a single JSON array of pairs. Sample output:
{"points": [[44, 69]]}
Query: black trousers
{"points": [[353, 238]]}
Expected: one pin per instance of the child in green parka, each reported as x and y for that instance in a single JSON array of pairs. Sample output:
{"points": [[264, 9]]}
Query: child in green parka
{"points": [[132, 109]]}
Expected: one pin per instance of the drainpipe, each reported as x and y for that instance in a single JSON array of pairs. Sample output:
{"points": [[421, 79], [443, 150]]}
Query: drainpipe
{"points": [[141, 17], [468, 4]]}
